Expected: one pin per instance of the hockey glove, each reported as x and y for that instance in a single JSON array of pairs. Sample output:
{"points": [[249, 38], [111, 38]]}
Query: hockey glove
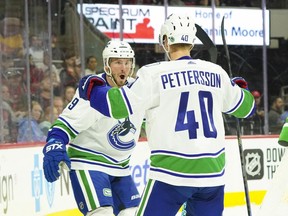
{"points": [[55, 157], [283, 137], [241, 82], [87, 83]]}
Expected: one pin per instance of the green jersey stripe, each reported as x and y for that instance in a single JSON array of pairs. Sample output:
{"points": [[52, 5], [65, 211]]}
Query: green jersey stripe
{"points": [[87, 189], [203, 165], [75, 153], [144, 197], [117, 103], [247, 104], [61, 125]]}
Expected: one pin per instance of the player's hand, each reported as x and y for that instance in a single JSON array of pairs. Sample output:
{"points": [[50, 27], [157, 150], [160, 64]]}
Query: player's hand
{"points": [[241, 82], [87, 83], [55, 157], [283, 137]]}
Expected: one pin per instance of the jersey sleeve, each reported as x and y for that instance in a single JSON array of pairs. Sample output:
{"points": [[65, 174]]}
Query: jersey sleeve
{"points": [[75, 118], [122, 102], [238, 102]]}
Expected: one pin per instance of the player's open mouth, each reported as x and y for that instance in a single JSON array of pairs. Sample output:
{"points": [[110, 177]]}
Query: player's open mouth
{"points": [[122, 77]]}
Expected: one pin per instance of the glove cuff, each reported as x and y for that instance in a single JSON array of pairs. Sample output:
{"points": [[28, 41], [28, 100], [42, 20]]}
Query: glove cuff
{"points": [[54, 145]]}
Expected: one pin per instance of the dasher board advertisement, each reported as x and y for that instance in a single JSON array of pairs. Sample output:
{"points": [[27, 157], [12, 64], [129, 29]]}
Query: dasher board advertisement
{"points": [[142, 23]]}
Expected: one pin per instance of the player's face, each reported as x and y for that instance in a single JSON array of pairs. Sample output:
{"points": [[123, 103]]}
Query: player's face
{"points": [[120, 68]]}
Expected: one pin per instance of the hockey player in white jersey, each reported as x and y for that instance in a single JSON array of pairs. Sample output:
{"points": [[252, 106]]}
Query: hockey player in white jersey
{"points": [[183, 100], [100, 147]]}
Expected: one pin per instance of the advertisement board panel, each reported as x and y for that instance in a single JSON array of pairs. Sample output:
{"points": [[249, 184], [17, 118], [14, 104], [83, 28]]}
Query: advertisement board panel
{"points": [[142, 23]]}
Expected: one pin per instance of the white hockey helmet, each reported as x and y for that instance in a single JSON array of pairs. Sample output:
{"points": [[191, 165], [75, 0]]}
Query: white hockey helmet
{"points": [[117, 49], [178, 29]]}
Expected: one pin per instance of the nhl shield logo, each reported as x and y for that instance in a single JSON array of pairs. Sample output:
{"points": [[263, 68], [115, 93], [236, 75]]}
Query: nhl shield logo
{"points": [[254, 163]]}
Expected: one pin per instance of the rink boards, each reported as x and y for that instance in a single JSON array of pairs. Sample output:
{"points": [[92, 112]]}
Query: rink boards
{"points": [[24, 190]]}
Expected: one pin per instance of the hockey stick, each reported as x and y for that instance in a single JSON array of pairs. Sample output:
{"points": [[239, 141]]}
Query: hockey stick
{"points": [[237, 127], [207, 42]]}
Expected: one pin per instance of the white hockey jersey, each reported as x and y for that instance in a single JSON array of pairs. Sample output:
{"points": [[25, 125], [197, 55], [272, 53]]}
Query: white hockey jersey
{"points": [[184, 101], [96, 141]]}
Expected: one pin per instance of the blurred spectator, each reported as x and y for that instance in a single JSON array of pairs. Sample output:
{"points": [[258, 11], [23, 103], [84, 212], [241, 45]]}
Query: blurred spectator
{"points": [[274, 115], [56, 51], [6, 63], [9, 119], [17, 88], [45, 66], [6, 94], [11, 39], [284, 116], [50, 115], [44, 95], [68, 94], [56, 84], [91, 64], [36, 76], [59, 104], [69, 76], [36, 50], [78, 70], [258, 117], [29, 129]]}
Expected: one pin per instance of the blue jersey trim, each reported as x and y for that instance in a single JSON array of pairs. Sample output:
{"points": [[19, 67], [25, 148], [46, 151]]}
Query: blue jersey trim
{"points": [[187, 155], [75, 131], [185, 58], [95, 152], [99, 93], [127, 101], [188, 175], [237, 105]]}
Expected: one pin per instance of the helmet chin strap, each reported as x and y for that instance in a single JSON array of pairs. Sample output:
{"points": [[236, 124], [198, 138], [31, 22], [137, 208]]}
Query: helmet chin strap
{"points": [[167, 51], [110, 76], [113, 80]]}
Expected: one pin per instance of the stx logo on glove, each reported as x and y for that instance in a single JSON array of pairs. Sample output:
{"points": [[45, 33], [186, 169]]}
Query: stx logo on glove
{"points": [[54, 147]]}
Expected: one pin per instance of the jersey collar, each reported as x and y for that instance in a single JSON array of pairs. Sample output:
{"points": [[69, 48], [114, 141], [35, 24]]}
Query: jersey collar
{"points": [[184, 58]]}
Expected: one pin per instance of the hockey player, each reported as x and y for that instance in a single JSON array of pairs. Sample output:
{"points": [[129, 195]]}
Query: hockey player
{"points": [[183, 100], [100, 147]]}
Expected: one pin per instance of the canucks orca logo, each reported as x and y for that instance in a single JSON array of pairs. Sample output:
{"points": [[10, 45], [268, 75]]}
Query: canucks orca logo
{"points": [[121, 136]]}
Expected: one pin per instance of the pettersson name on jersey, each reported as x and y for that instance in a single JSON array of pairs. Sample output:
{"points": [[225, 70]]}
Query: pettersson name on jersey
{"points": [[190, 77]]}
